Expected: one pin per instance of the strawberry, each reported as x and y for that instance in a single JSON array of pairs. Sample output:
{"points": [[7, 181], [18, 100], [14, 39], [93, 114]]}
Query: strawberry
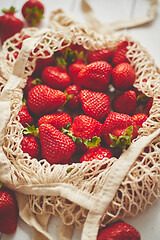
{"points": [[74, 69], [139, 118], [8, 211], [87, 131], [25, 117], [19, 45], [43, 99], [30, 145], [86, 127], [57, 148], [33, 12], [95, 104], [55, 77], [30, 84], [42, 63], [9, 24], [72, 94], [119, 129], [119, 231], [95, 76], [123, 76], [100, 55], [148, 106], [58, 120], [125, 102], [119, 56], [98, 153]]}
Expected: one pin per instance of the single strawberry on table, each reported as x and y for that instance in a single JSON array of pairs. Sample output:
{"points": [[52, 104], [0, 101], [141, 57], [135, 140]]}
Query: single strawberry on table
{"points": [[55, 77], [33, 12], [95, 76], [58, 120], [119, 130], [9, 24], [95, 104], [125, 102], [8, 211], [56, 147], [100, 55], [72, 95], [43, 99], [123, 76], [119, 231]]}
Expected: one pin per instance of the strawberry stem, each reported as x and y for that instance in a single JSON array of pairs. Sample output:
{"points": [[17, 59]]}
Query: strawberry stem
{"points": [[31, 130], [11, 10], [122, 141], [93, 142]]}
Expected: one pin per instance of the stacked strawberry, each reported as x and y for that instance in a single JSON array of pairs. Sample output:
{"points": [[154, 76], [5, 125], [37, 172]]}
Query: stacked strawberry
{"points": [[71, 114]]}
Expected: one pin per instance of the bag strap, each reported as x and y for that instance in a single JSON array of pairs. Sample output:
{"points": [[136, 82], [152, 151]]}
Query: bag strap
{"points": [[95, 24]]}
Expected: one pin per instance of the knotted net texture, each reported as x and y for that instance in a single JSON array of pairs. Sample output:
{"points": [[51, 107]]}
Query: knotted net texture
{"points": [[79, 189]]}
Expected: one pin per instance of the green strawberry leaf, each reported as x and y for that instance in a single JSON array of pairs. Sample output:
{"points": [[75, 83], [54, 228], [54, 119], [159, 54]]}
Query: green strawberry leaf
{"points": [[69, 170], [1, 184], [11, 10], [37, 81], [142, 99], [31, 130], [70, 134], [123, 141], [93, 142]]}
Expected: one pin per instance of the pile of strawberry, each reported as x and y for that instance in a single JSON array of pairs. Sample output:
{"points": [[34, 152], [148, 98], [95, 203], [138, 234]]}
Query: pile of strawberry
{"points": [[81, 105]]}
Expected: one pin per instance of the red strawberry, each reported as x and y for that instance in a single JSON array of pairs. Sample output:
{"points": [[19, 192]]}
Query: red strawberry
{"points": [[55, 77], [86, 127], [74, 69], [139, 118], [119, 56], [9, 24], [148, 106], [119, 129], [43, 99], [58, 120], [98, 153], [25, 117], [123, 76], [100, 55], [30, 145], [57, 148], [33, 11], [125, 102], [8, 212], [119, 231], [72, 94], [95, 76], [95, 104], [30, 84]]}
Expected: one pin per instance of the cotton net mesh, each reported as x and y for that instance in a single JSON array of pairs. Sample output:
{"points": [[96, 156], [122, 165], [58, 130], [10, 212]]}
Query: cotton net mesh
{"points": [[141, 185]]}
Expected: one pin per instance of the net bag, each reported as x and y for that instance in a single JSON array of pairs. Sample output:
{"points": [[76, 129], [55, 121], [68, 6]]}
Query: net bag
{"points": [[88, 196]]}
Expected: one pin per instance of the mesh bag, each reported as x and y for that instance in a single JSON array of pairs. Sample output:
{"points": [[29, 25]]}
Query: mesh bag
{"points": [[87, 196]]}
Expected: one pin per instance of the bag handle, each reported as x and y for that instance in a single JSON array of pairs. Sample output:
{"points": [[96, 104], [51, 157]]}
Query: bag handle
{"points": [[95, 24]]}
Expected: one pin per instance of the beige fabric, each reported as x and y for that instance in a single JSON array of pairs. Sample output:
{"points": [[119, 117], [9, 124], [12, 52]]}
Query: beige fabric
{"points": [[65, 232], [87, 195], [95, 24]]}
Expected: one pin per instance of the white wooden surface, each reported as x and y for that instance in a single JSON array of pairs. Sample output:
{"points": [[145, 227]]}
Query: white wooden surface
{"points": [[106, 11]]}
